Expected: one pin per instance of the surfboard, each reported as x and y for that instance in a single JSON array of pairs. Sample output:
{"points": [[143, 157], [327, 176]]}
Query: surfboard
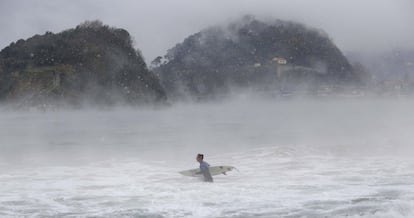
{"points": [[214, 170]]}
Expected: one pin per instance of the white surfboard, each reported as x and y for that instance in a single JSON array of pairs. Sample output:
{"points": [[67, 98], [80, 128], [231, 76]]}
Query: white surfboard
{"points": [[214, 170]]}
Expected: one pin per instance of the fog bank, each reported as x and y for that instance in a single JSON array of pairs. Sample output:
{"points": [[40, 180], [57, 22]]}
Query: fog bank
{"points": [[342, 127]]}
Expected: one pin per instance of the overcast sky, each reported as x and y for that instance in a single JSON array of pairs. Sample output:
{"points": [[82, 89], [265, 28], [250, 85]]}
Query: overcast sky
{"points": [[157, 25]]}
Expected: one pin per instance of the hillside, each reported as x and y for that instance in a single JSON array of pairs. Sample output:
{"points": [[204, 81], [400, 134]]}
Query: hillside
{"points": [[251, 54], [92, 63]]}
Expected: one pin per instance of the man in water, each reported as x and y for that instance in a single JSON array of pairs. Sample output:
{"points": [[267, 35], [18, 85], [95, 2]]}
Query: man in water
{"points": [[204, 168]]}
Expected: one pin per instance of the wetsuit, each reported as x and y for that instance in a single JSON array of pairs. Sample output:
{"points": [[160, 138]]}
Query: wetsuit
{"points": [[205, 171]]}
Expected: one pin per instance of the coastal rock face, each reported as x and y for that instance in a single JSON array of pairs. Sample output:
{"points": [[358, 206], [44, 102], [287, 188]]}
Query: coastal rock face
{"points": [[92, 64], [279, 56]]}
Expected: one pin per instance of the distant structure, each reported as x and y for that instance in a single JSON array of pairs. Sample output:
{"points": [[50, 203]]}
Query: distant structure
{"points": [[280, 60]]}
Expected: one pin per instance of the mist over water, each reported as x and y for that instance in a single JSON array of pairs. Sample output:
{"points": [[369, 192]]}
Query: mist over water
{"points": [[299, 157]]}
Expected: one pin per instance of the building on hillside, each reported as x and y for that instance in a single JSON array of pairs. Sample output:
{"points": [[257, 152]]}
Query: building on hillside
{"points": [[280, 60]]}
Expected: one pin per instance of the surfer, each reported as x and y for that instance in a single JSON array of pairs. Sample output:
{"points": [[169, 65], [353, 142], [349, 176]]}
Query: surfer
{"points": [[204, 168]]}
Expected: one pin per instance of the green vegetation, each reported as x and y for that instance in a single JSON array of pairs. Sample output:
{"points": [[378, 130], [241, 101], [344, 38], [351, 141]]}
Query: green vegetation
{"points": [[96, 63], [245, 54], [91, 62]]}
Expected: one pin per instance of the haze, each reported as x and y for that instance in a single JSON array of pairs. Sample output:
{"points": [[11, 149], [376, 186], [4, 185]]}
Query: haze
{"points": [[344, 126], [157, 25]]}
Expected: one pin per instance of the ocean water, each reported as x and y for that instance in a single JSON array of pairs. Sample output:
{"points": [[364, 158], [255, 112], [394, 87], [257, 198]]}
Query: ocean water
{"points": [[294, 158]]}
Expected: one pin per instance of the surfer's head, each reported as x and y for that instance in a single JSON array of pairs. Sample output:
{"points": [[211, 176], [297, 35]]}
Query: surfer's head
{"points": [[199, 157]]}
